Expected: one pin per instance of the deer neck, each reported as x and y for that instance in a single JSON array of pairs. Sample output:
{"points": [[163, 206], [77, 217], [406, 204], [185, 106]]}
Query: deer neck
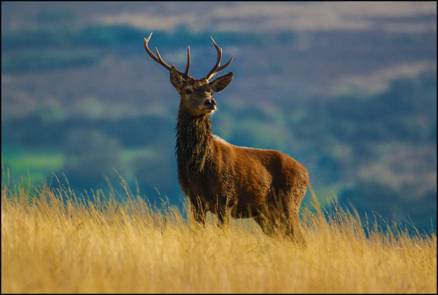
{"points": [[193, 142]]}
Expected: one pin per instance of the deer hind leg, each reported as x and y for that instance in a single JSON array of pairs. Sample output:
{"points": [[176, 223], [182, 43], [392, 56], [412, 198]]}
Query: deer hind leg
{"points": [[269, 219], [293, 229], [291, 211], [274, 219]]}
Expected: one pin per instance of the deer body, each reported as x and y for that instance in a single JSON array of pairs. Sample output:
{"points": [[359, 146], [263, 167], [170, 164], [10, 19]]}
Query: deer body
{"points": [[223, 178]]}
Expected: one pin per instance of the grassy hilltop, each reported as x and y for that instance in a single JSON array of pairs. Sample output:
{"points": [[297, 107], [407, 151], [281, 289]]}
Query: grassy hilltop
{"points": [[50, 245]]}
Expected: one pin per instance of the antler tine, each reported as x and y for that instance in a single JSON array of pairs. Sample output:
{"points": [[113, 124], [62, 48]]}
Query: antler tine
{"points": [[161, 61], [217, 67], [218, 60], [224, 65], [157, 58], [186, 72]]}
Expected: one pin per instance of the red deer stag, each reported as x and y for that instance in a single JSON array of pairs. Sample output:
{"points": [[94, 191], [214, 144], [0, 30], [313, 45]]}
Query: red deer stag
{"points": [[223, 178]]}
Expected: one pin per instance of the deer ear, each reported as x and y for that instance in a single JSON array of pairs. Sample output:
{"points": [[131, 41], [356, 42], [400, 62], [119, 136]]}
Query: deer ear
{"points": [[220, 83], [176, 78]]}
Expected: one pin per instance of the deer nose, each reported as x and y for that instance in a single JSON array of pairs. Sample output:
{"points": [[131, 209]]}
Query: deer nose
{"points": [[210, 103]]}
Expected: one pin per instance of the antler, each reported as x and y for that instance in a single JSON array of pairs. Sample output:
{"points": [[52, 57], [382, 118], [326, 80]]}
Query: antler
{"points": [[217, 67], [186, 72], [160, 60]]}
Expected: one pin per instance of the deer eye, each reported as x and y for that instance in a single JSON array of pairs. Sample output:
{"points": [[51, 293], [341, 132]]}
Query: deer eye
{"points": [[188, 91]]}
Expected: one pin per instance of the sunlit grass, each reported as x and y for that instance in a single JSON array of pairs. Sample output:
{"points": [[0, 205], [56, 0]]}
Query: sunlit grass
{"points": [[52, 243]]}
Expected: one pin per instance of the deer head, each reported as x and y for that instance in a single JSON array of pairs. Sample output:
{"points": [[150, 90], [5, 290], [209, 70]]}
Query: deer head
{"points": [[196, 94]]}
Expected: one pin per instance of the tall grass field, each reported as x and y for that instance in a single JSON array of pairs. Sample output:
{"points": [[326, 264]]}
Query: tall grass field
{"points": [[51, 242]]}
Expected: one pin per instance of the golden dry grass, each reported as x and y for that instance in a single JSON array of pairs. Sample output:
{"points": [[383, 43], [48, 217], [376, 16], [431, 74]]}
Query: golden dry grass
{"points": [[47, 247]]}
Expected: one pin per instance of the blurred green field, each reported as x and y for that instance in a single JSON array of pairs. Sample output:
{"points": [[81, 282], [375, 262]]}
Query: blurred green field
{"points": [[33, 164], [36, 165]]}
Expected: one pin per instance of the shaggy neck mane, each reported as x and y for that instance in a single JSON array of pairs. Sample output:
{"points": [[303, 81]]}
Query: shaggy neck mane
{"points": [[193, 142]]}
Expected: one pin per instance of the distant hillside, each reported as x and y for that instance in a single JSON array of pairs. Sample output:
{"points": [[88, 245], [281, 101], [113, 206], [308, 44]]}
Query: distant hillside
{"points": [[352, 96]]}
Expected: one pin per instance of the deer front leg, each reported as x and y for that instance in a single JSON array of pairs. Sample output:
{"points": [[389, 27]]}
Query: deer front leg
{"points": [[222, 217], [198, 210], [223, 210]]}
